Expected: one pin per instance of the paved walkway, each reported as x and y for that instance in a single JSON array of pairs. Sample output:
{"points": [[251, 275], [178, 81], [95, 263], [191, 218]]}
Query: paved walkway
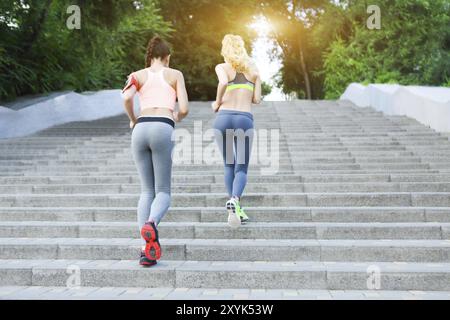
{"points": [[107, 293]]}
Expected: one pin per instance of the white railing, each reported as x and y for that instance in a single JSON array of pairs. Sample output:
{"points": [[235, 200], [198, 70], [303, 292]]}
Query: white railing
{"points": [[62, 109], [428, 105]]}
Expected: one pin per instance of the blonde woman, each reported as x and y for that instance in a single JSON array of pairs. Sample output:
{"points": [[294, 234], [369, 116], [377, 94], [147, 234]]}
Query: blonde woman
{"points": [[239, 87]]}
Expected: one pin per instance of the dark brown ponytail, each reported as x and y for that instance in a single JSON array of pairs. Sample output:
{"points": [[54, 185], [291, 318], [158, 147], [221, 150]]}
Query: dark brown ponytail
{"points": [[157, 48]]}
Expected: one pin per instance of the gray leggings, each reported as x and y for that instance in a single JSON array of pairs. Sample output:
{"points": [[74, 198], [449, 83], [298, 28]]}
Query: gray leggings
{"points": [[234, 136], [152, 146]]}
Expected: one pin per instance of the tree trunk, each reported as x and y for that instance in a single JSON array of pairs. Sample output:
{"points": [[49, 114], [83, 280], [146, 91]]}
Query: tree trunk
{"points": [[296, 5], [304, 70]]}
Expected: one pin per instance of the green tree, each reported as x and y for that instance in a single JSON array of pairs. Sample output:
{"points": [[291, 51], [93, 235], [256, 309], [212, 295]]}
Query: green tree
{"points": [[412, 47], [292, 22], [38, 53], [266, 89], [199, 28], [326, 44]]}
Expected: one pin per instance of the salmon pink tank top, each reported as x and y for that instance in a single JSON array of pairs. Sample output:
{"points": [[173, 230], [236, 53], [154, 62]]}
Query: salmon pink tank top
{"points": [[156, 92]]}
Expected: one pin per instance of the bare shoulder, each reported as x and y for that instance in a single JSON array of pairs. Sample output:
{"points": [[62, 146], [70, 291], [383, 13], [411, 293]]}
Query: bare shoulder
{"points": [[224, 67], [227, 68], [174, 73], [141, 75]]}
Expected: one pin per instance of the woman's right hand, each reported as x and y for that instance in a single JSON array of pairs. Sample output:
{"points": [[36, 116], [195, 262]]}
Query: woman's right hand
{"points": [[132, 124]]}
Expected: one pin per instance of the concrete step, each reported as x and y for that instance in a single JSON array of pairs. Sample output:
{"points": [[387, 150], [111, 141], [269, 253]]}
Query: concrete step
{"points": [[414, 199], [124, 153], [218, 187], [227, 274], [327, 163], [230, 249], [132, 169], [80, 155], [220, 230], [363, 156], [95, 171], [5, 164], [252, 172], [213, 178], [257, 214]]}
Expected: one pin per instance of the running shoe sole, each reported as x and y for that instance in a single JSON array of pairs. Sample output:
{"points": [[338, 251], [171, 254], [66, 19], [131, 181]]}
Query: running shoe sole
{"points": [[147, 263], [152, 247], [243, 221], [234, 221]]}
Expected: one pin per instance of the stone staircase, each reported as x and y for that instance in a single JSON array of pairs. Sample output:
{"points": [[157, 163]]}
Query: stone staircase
{"points": [[358, 197]]}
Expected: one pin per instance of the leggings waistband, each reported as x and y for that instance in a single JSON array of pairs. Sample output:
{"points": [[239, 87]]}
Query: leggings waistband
{"points": [[156, 119], [235, 112]]}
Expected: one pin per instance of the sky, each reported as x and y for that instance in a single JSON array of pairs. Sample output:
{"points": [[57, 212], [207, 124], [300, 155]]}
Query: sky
{"points": [[261, 55]]}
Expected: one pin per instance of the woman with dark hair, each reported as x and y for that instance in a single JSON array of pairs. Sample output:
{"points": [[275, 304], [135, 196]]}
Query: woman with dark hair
{"points": [[158, 88]]}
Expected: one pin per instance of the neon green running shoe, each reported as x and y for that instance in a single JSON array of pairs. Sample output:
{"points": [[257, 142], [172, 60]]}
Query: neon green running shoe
{"points": [[243, 215]]}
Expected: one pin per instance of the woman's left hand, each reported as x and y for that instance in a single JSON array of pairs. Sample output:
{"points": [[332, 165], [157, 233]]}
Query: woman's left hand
{"points": [[215, 106], [132, 124]]}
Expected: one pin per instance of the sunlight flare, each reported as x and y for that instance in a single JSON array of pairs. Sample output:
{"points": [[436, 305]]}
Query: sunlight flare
{"points": [[261, 25]]}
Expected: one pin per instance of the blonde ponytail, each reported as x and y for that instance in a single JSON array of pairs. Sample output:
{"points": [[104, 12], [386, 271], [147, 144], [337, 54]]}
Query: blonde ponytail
{"points": [[234, 53]]}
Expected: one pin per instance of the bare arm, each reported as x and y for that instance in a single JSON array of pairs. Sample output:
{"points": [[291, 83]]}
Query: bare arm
{"points": [[221, 88], [128, 99], [129, 106], [182, 96], [257, 93]]}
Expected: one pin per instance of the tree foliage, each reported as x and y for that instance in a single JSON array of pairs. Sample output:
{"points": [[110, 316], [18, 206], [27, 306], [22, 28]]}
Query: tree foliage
{"points": [[292, 22], [38, 53], [325, 44], [412, 47], [199, 28]]}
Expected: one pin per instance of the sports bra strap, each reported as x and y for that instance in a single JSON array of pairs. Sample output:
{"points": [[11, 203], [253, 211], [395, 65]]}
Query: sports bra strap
{"points": [[240, 82]]}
